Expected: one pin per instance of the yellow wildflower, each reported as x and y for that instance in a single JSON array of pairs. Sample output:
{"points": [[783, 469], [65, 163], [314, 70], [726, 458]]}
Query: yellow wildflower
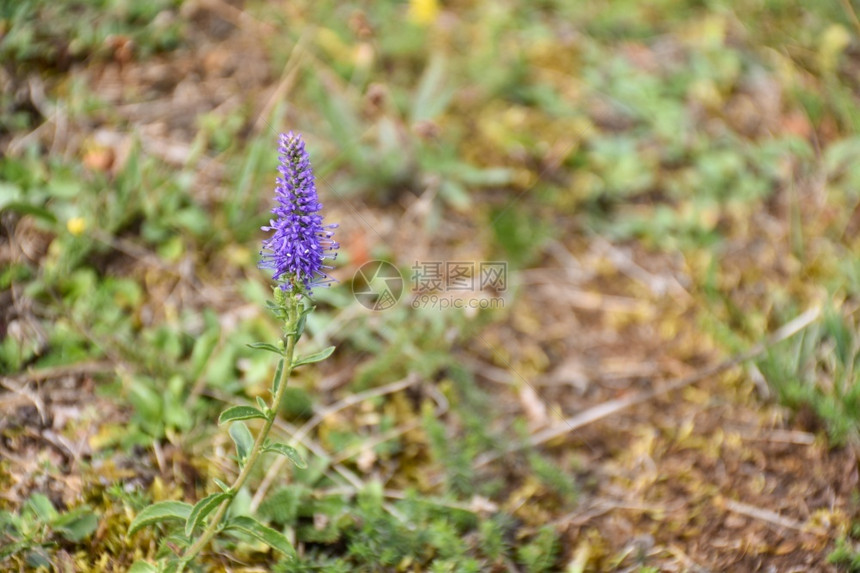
{"points": [[423, 12], [76, 225]]}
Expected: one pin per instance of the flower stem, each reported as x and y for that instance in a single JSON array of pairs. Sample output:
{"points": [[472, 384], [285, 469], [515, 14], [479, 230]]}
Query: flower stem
{"points": [[215, 520]]}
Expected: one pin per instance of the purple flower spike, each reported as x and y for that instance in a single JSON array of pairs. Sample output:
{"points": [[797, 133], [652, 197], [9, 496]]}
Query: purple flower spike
{"points": [[297, 250]]}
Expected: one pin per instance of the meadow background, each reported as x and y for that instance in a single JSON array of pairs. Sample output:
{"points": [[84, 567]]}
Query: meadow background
{"points": [[669, 182]]}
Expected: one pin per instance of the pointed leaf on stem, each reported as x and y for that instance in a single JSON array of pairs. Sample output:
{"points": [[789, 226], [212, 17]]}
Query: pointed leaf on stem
{"points": [[162, 511], [316, 357], [203, 508], [240, 413], [276, 381], [303, 317], [267, 535], [243, 439], [266, 346], [287, 451]]}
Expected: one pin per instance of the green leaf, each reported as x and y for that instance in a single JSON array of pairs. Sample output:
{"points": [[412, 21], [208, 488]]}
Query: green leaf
{"points": [[177, 539], [42, 507], [266, 346], [9, 192], [64, 186], [27, 209], [142, 567], [203, 508], [303, 318], [148, 404], [37, 558], [202, 351], [243, 440], [432, 94], [262, 404], [237, 204], [276, 310], [77, 524], [276, 381], [161, 511], [287, 451], [221, 484], [267, 535], [316, 357], [13, 548], [240, 413]]}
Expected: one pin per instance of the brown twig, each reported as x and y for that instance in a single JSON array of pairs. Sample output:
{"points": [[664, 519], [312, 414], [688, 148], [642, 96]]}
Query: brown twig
{"points": [[770, 517], [79, 369], [606, 409]]}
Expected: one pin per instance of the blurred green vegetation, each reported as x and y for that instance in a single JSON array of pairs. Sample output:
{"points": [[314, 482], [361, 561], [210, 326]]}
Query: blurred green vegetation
{"points": [[723, 133]]}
